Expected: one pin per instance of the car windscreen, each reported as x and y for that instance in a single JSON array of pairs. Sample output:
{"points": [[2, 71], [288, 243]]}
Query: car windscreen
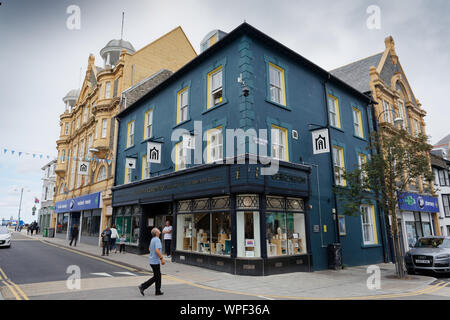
{"points": [[3, 231], [433, 243]]}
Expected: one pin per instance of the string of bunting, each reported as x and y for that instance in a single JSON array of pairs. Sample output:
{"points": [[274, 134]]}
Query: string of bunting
{"points": [[61, 158]]}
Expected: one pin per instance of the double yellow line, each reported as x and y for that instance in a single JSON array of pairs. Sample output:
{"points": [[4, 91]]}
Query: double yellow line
{"points": [[14, 288]]}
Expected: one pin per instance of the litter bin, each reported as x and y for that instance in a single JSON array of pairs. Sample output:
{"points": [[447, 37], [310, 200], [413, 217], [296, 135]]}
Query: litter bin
{"points": [[45, 234], [335, 256], [51, 232]]}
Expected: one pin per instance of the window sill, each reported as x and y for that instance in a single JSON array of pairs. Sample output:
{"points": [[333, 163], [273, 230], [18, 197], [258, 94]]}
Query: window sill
{"points": [[360, 138], [287, 256], [129, 148], [181, 123], [336, 128], [369, 246], [146, 140], [279, 105], [215, 107]]}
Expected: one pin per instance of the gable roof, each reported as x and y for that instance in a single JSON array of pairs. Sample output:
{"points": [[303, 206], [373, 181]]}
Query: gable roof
{"points": [[444, 141], [356, 73], [241, 30]]}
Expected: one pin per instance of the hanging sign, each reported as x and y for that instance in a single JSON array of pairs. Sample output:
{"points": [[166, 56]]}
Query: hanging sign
{"points": [[154, 152], [130, 163], [320, 141], [83, 168]]}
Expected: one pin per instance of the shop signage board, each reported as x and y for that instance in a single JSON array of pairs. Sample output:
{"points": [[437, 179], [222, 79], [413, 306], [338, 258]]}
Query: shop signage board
{"points": [[320, 141], [87, 202], [83, 168], [130, 163], [154, 152], [418, 202]]}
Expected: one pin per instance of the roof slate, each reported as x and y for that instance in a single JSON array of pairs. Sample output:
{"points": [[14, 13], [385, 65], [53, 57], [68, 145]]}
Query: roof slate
{"points": [[356, 74]]}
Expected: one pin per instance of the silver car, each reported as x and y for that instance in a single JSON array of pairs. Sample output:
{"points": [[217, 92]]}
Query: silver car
{"points": [[429, 253]]}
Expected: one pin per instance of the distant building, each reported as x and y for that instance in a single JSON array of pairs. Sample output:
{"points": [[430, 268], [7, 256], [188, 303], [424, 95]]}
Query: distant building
{"points": [[441, 170], [48, 190], [88, 128], [443, 147]]}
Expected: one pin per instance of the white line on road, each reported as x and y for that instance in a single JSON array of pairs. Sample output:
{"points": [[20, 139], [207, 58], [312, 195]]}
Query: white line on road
{"points": [[126, 273], [103, 274], [265, 298]]}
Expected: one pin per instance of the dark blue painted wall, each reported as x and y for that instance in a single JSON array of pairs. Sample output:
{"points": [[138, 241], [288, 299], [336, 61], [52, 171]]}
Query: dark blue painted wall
{"points": [[305, 105]]}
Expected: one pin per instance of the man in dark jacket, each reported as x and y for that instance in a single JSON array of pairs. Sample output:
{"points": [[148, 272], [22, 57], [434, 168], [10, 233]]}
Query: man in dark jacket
{"points": [[74, 235], [106, 237]]}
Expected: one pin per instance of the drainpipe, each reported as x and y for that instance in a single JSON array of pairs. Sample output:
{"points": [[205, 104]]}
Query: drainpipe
{"points": [[335, 217], [374, 124]]}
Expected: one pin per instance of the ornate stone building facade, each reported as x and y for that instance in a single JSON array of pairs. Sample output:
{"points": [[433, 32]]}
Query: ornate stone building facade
{"points": [[383, 77], [88, 129]]}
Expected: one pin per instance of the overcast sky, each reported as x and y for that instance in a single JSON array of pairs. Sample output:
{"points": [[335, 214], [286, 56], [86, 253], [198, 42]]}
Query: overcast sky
{"points": [[40, 58]]}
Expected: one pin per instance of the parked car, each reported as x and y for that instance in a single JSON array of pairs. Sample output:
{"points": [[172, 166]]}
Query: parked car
{"points": [[5, 237], [429, 253]]}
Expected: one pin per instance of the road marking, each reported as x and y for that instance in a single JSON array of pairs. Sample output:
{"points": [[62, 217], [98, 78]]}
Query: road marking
{"points": [[426, 290], [103, 274], [262, 297], [126, 273], [12, 286], [12, 290], [90, 256]]}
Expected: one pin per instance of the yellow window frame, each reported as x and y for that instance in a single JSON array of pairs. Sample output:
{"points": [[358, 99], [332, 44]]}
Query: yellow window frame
{"points": [[144, 160], [208, 142], [128, 133], [208, 98], [286, 141], [179, 102], [374, 224], [338, 112], [341, 155], [283, 82], [146, 122], [361, 131]]}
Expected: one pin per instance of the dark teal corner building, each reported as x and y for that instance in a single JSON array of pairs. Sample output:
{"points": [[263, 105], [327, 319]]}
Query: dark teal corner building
{"points": [[240, 150]]}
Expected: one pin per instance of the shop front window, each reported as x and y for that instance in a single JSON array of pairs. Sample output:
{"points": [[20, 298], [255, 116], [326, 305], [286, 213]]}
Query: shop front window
{"points": [[248, 235], [276, 234], [411, 233], [207, 232], [127, 223], [220, 233], [285, 228]]}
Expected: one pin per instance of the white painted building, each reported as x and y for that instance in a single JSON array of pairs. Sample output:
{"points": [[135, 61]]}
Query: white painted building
{"points": [[441, 170], [48, 191]]}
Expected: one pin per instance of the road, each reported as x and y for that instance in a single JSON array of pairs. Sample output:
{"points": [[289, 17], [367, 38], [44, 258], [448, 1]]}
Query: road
{"points": [[32, 269]]}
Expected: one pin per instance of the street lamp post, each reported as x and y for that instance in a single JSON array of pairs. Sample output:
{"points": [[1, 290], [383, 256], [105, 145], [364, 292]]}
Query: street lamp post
{"points": [[397, 121], [20, 207]]}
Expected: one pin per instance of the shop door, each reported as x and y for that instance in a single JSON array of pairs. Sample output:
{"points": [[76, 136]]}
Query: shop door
{"points": [[74, 220]]}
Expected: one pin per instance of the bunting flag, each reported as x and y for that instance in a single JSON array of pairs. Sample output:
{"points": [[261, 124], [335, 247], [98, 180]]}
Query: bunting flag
{"points": [[107, 160]]}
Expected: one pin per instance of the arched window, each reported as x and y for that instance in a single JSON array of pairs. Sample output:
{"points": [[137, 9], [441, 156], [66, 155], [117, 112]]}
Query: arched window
{"points": [[101, 174], [61, 189]]}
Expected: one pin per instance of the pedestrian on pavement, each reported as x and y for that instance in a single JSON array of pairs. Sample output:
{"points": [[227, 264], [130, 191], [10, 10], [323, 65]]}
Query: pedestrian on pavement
{"points": [[122, 240], [114, 236], [74, 235], [167, 232], [156, 259], [106, 238]]}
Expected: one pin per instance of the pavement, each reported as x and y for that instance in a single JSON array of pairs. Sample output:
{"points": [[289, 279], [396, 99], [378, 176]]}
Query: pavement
{"points": [[190, 282]]}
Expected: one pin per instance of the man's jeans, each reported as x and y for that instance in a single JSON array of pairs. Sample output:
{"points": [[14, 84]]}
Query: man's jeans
{"points": [[155, 279]]}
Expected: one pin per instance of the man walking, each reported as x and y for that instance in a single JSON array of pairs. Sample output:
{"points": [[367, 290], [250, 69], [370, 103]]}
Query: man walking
{"points": [[106, 237], [156, 259], [74, 235]]}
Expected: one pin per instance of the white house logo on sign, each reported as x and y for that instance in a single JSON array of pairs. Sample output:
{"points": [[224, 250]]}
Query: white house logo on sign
{"points": [[83, 168], [154, 152], [131, 163], [320, 141]]}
